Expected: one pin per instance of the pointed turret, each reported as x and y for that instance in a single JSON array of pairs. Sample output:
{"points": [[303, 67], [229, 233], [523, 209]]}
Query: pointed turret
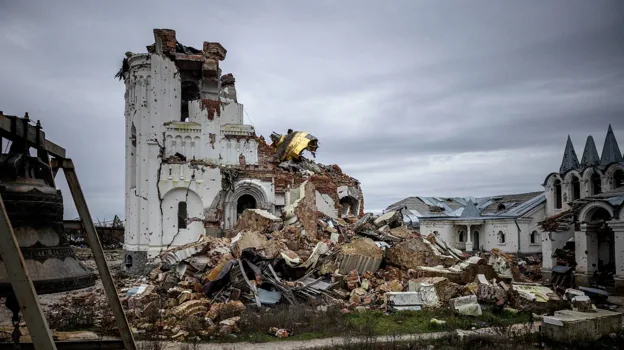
{"points": [[590, 154], [611, 151], [470, 211], [570, 160]]}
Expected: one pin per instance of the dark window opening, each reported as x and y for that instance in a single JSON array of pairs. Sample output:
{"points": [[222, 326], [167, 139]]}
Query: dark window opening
{"points": [[246, 201], [501, 237], [182, 215], [558, 201], [596, 186], [576, 188], [461, 237], [190, 92], [534, 236], [501, 207], [128, 260], [349, 206], [618, 178]]}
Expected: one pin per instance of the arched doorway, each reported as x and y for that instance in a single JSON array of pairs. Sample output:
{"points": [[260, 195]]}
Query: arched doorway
{"points": [[475, 240], [618, 178], [245, 201], [606, 241]]}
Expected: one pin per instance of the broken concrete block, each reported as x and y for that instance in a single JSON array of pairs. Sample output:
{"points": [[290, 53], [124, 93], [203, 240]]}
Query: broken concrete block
{"points": [[302, 210], [391, 218], [268, 249], [482, 280], [258, 220], [400, 232], [444, 288], [582, 303], [573, 326], [403, 300], [467, 305], [362, 255], [535, 298], [416, 252]]}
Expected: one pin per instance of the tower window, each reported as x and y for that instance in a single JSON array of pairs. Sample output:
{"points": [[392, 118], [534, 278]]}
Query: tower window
{"points": [[576, 188], [558, 200], [190, 92], [596, 186], [182, 215]]}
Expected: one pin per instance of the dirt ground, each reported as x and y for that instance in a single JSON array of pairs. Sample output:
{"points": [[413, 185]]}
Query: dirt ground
{"points": [[113, 258]]}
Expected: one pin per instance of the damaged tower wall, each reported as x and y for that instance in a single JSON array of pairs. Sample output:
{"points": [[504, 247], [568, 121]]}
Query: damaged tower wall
{"points": [[190, 160]]}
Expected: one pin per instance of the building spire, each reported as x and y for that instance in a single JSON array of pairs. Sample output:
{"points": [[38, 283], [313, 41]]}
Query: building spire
{"points": [[570, 161], [590, 154], [611, 151]]}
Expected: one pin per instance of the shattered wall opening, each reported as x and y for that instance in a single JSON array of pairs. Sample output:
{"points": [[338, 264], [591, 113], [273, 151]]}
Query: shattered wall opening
{"points": [[245, 201], [349, 206]]}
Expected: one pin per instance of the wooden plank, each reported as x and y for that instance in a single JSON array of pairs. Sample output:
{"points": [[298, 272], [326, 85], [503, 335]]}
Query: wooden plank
{"points": [[6, 131], [22, 285], [98, 253]]}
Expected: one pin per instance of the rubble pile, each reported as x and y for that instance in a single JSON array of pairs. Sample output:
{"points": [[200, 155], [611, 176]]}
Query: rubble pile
{"points": [[307, 258]]}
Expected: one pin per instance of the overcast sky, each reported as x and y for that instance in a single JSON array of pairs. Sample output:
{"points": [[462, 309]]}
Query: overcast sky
{"points": [[448, 98]]}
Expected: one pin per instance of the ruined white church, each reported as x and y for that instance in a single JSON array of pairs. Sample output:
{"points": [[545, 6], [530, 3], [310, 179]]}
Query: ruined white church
{"points": [[588, 197], [192, 165]]}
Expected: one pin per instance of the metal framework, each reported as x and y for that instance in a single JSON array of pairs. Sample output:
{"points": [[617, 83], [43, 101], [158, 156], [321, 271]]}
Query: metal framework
{"points": [[13, 128]]}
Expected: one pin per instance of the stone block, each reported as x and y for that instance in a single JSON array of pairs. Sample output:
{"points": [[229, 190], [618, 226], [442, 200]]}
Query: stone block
{"points": [[258, 220], [403, 300], [391, 218], [467, 305], [444, 288], [268, 249], [214, 50], [582, 303], [361, 255], [574, 326]]}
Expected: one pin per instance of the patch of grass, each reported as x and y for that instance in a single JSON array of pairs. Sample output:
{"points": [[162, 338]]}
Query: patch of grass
{"points": [[409, 322], [307, 323]]}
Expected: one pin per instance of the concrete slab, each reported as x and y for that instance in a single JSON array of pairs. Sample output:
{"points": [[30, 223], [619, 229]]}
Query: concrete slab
{"points": [[573, 326]]}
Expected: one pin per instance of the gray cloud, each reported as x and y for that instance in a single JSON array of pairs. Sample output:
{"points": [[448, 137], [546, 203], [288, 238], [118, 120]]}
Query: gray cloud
{"points": [[431, 98]]}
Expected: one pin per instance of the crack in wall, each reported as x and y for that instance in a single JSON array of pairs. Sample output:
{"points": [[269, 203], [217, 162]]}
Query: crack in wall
{"points": [[188, 188], [161, 155]]}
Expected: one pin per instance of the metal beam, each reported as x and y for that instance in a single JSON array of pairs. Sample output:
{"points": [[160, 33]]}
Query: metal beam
{"points": [[98, 254], [6, 131], [22, 285]]}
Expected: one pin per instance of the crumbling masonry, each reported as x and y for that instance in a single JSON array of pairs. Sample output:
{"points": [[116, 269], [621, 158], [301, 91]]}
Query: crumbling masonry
{"points": [[192, 165]]}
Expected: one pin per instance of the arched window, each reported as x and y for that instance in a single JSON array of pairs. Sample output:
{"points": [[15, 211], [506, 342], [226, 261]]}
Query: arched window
{"points": [[501, 237], [462, 236], [576, 188], [534, 237], [618, 178], [128, 260], [501, 207], [558, 199], [596, 186], [182, 215]]}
